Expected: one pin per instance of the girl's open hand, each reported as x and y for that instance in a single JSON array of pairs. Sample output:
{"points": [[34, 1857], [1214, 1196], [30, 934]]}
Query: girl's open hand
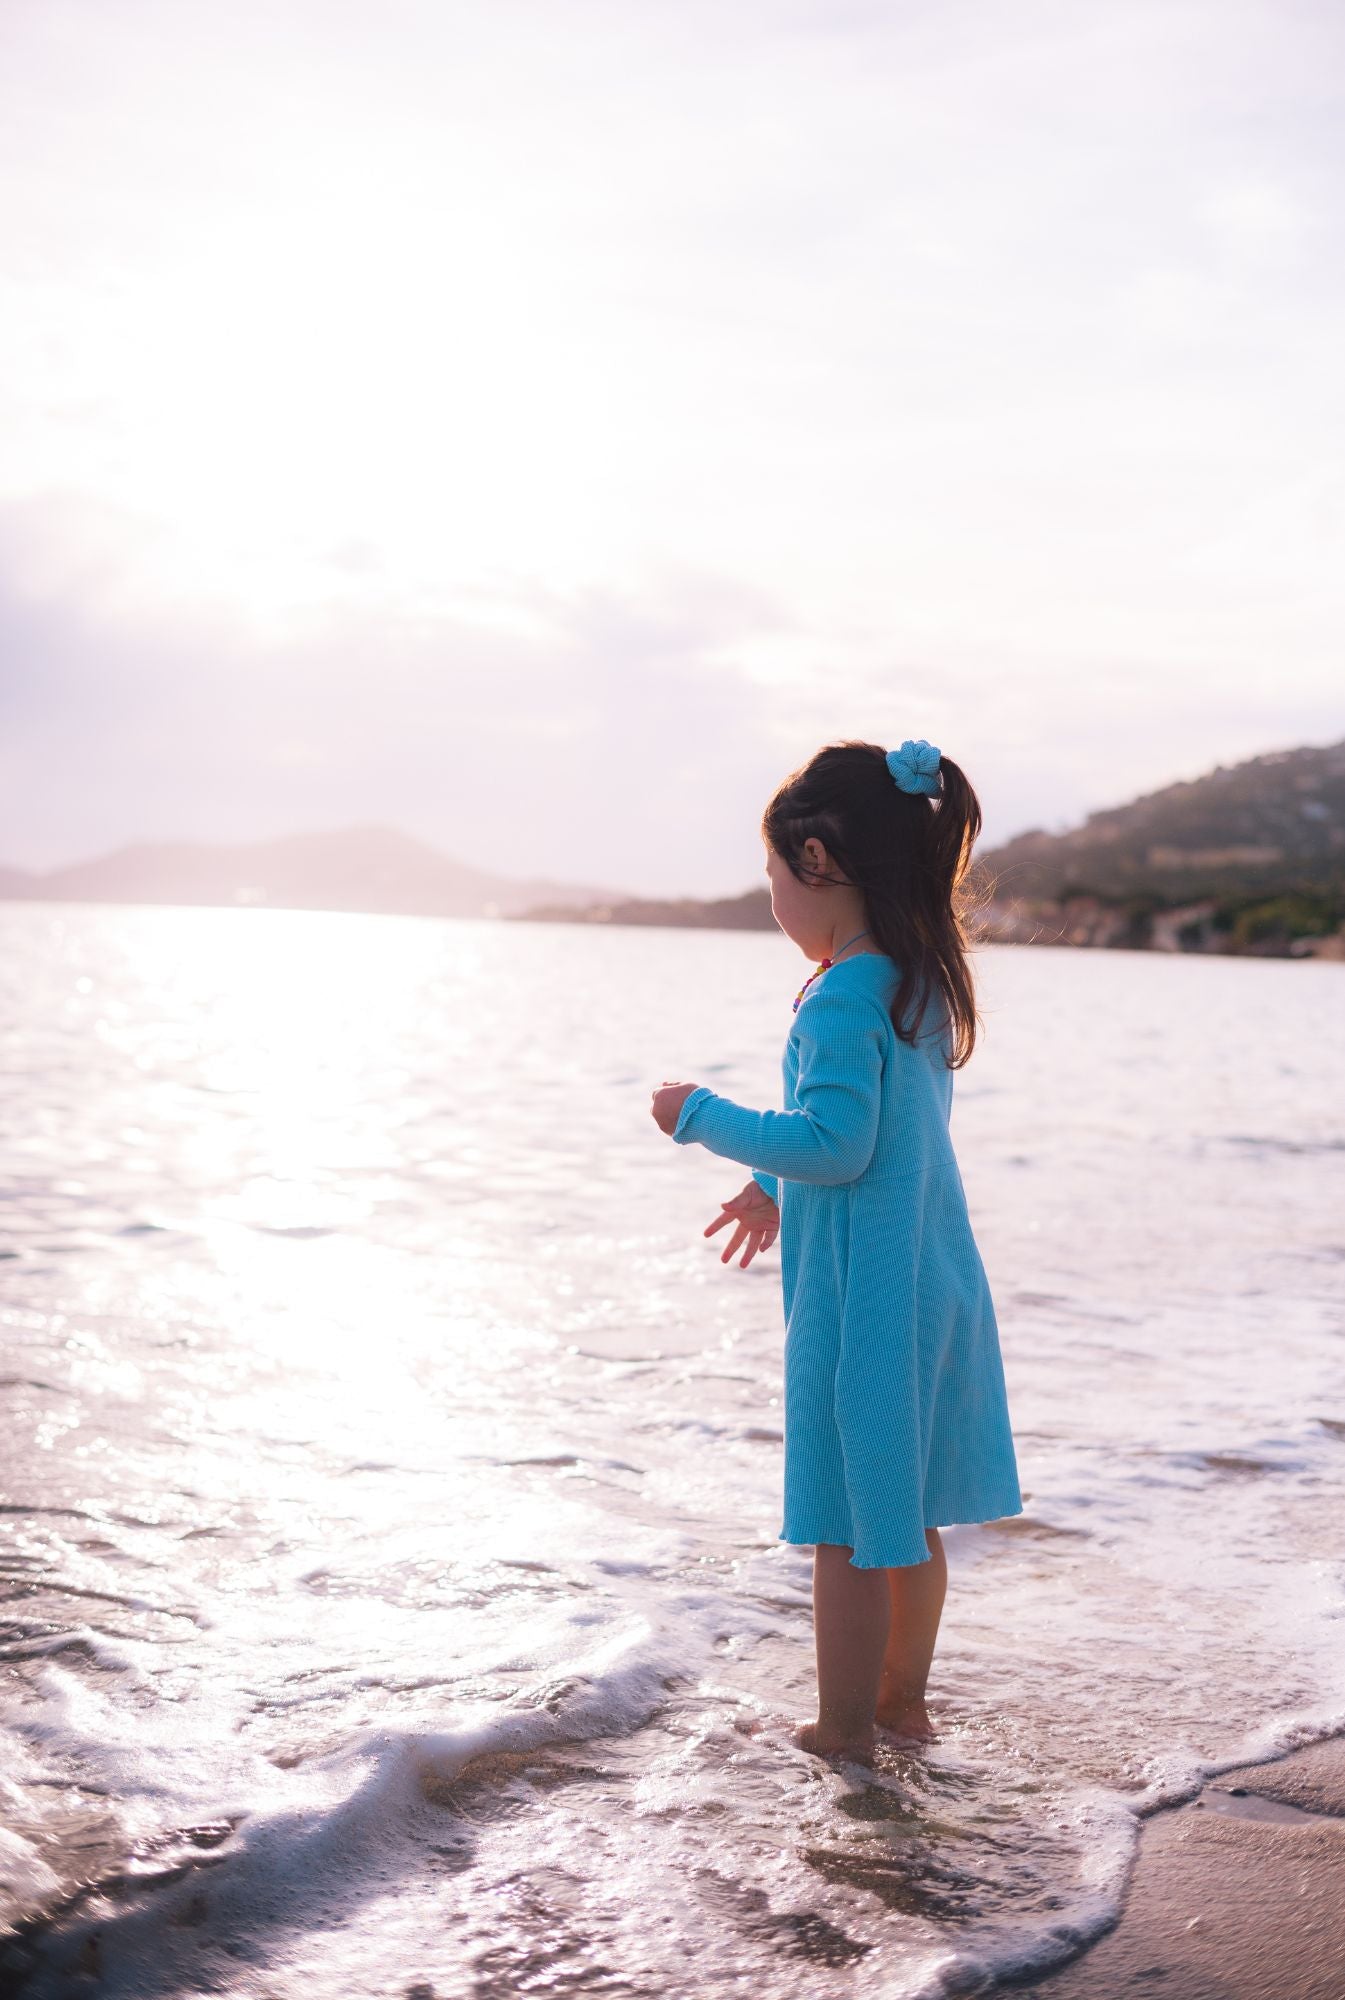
{"points": [[756, 1221], [666, 1108]]}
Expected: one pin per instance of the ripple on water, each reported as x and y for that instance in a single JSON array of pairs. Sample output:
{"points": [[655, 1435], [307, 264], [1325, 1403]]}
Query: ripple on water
{"points": [[1086, 1638]]}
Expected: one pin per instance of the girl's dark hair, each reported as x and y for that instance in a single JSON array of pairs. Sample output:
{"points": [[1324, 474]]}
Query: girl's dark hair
{"points": [[908, 854]]}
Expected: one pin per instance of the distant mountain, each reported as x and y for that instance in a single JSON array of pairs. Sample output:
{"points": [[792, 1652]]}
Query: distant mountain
{"points": [[749, 912], [1275, 822], [371, 869], [1249, 859]]}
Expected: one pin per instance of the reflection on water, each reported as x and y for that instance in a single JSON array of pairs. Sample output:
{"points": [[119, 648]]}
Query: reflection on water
{"points": [[392, 1593]]}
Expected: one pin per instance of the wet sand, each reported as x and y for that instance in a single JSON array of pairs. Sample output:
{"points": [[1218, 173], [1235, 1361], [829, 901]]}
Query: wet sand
{"points": [[1239, 1895]]}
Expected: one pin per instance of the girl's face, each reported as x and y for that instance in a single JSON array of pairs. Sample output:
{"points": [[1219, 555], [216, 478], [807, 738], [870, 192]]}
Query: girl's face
{"points": [[803, 910]]}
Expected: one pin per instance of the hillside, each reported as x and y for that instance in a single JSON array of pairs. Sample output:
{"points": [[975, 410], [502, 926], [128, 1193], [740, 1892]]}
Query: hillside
{"points": [[749, 912], [364, 868], [1272, 823], [1249, 858]]}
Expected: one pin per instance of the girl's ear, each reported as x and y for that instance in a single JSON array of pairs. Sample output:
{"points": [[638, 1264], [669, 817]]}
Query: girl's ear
{"points": [[816, 857]]}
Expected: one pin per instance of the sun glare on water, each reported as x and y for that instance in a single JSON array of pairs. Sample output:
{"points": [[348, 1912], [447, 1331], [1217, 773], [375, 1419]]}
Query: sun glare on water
{"points": [[282, 1062]]}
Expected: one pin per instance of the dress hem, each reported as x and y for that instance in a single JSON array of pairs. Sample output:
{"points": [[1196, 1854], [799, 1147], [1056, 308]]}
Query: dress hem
{"points": [[948, 1519]]}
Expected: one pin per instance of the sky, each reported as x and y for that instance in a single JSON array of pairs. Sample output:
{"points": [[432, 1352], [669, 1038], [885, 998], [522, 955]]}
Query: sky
{"points": [[540, 426]]}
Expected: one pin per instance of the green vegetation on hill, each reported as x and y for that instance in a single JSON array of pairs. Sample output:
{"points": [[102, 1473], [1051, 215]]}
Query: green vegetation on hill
{"points": [[1248, 859], [1275, 824]]}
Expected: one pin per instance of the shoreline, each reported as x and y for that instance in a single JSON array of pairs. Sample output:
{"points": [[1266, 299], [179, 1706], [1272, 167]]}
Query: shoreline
{"points": [[1237, 1894]]}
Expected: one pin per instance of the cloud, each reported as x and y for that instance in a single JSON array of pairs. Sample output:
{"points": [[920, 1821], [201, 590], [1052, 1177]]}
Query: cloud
{"points": [[589, 736], [625, 738], [545, 432]]}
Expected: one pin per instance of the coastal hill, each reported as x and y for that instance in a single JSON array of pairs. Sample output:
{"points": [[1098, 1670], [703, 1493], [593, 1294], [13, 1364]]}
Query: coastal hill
{"points": [[1259, 825], [361, 868], [1247, 859]]}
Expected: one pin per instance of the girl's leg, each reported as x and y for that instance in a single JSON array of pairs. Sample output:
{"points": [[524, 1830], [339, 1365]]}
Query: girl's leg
{"points": [[851, 1614], [916, 1596]]}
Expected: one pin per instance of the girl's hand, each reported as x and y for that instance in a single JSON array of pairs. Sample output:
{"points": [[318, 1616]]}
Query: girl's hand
{"points": [[756, 1222], [666, 1108]]}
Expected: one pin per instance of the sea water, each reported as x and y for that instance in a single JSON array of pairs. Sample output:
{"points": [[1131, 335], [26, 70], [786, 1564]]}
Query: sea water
{"points": [[394, 1603]]}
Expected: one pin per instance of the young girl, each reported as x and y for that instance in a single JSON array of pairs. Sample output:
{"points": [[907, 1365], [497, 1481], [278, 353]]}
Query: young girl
{"points": [[895, 1416]]}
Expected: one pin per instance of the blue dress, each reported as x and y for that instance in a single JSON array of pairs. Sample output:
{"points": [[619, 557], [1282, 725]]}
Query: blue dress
{"points": [[895, 1412]]}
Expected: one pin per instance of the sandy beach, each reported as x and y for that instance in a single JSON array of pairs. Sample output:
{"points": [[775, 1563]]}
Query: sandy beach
{"points": [[1237, 1895]]}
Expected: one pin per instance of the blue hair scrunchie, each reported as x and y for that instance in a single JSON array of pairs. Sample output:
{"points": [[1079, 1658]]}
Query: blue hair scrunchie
{"points": [[913, 767]]}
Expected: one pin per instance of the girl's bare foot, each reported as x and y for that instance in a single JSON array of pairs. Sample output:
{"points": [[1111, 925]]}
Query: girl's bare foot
{"points": [[905, 1716], [855, 1750]]}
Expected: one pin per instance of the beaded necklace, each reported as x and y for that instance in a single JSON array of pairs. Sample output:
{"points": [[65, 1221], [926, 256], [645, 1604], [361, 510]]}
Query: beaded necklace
{"points": [[823, 967]]}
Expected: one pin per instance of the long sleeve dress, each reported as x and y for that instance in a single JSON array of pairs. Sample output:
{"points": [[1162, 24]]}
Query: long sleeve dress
{"points": [[895, 1412]]}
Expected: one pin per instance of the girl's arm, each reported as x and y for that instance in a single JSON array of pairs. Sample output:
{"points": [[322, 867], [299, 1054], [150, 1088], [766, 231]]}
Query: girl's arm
{"points": [[769, 1184], [830, 1138]]}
